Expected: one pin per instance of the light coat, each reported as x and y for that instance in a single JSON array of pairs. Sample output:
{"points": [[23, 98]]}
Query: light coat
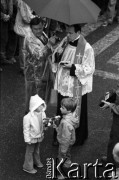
{"points": [[33, 121], [23, 18], [66, 129]]}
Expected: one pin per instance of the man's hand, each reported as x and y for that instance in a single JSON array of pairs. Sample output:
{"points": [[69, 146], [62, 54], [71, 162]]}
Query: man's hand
{"points": [[67, 65], [106, 105], [60, 50], [6, 17], [45, 128], [54, 126], [29, 143], [52, 40], [38, 53]]}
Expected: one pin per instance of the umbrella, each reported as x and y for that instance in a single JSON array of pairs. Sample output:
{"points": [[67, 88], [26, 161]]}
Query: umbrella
{"points": [[37, 5], [71, 11]]}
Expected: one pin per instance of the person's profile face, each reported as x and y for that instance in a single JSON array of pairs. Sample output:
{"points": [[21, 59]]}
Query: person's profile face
{"points": [[71, 34], [37, 29], [63, 110], [40, 108]]}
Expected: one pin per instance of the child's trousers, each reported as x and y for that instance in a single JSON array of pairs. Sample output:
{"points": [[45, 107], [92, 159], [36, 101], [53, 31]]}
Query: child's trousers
{"points": [[32, 156], [64, 153]]}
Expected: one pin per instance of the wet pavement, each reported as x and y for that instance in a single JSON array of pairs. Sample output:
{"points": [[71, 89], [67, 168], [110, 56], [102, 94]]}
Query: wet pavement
{"points": [[12, 146]]}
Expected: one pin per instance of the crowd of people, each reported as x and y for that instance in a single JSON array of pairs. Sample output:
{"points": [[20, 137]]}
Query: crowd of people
{"points": [[112, 12], [109, 8], [15, 19], [64, 63]]}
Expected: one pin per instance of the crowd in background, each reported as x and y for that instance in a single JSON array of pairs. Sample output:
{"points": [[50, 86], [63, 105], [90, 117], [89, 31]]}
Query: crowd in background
{"points": [[14, 22], [32, 38]]}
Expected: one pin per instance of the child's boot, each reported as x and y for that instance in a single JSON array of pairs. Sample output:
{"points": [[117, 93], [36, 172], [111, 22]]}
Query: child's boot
{"points": [[33, 171]]}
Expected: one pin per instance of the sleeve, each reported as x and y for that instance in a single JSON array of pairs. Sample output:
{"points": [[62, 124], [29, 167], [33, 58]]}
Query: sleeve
{"points": [[10, 7], [76, 125], [66, 133], [24, 50], [26, 129], [115, 108], [55, 65], [1, 11], [25, 11], [87, 68], [33, 48], [2, 15]]}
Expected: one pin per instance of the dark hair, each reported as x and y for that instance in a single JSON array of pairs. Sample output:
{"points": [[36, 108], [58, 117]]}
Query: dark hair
{"points": [[77, 27], [34, 13], [35, 21], [69, 103]]}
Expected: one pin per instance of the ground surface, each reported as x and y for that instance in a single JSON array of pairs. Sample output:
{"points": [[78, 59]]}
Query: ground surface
{"points": [[12, 146]]}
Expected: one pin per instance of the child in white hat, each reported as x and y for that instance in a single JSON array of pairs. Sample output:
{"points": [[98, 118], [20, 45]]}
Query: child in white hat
{"points": [[115, 153], [33, 133]]}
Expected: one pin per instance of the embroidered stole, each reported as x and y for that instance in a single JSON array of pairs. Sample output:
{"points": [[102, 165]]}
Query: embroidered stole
{"points": [[77, 90]]}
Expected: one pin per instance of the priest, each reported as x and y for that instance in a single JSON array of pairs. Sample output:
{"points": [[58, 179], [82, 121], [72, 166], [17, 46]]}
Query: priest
{"points": [[74, 64]]}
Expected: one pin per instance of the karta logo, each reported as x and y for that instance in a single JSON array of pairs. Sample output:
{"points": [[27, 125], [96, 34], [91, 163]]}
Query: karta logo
{"points": [[55, 168]]}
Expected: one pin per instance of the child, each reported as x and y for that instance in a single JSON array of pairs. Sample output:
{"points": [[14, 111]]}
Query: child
{"points": [[33, 133], [116, 153], [114, 134], [116, 158], [66, 130]]}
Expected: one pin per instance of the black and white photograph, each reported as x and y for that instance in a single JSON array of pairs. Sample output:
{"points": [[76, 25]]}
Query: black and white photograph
{"points": [[59, 89]]}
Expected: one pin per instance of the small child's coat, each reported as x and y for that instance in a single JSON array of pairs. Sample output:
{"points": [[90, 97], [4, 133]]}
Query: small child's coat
{"points": [[33, 134], [33, 121]]}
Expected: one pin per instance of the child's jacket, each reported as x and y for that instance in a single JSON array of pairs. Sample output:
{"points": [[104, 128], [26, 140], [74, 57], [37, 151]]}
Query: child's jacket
{"points": [[66, 129], [33, 122], [115, 107]]}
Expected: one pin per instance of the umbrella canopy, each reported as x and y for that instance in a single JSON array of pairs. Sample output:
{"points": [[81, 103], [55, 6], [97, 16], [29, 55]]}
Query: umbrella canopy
{"points": [[71, 11], [37, 5]]}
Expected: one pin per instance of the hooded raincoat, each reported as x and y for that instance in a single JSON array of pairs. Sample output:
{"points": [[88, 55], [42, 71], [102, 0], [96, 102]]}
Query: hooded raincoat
{"points": [[33, 121]]}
